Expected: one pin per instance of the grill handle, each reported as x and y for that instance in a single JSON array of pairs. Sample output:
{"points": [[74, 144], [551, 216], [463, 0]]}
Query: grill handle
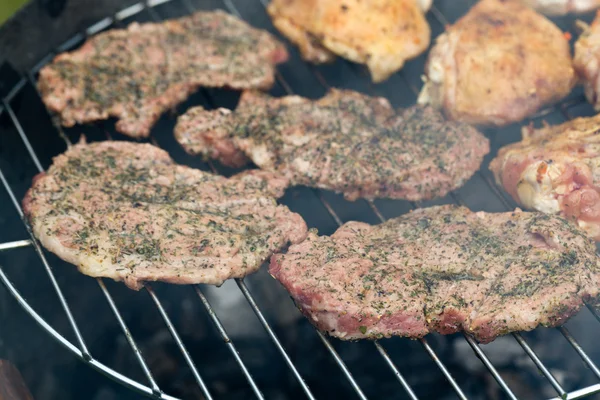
{"points": [[12, 386]]}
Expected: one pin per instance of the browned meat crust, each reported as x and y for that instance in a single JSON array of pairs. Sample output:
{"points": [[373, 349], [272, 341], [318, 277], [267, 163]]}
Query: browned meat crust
{"points": [[442, 269], [556, 169], [126, 211], [562, 7], [346, 141], [382, 34], [497, 65], [136, 74], [587, 61]]}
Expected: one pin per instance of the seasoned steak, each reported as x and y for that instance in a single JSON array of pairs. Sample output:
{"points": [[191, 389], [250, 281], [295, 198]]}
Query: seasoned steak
{"points": [[346, 141], [126, 211], [135, 74], [442, 269]]}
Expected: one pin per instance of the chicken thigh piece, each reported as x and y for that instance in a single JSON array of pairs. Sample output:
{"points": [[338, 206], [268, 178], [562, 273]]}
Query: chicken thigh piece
{"points": [[556, 170], [562, 7], [382, 34], [587, 61], [498, 64]]}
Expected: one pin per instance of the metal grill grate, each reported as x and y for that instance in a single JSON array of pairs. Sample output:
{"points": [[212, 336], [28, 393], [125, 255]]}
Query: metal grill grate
{"points": [[150, 388]]}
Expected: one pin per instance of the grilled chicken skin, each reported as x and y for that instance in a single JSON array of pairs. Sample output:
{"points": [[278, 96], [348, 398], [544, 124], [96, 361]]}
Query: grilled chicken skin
{"points": [[561, 7], [587, 61], [497, 65], [556, 170], [382, 34]]}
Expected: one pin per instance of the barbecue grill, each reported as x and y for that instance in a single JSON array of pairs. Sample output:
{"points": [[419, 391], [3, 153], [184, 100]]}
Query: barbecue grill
{"points": [[262, 342]]}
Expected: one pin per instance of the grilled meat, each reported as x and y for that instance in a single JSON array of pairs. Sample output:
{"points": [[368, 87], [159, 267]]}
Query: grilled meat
{"points": [[382, 34], [346, 141], [587, 61], [498, 64], [126, 211], [556, 170], [136, 74], [561, 7], [442, 269]]}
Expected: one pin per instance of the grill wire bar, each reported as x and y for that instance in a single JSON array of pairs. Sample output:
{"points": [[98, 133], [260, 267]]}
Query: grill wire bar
{"points": [[339, 222], [184, 352], [557, 386], [131, 11], [155, 392], [138, 354], [63, 302], [244, 289], [380, 216], [227, 340], [586, 359], [242, 286], [15, 244], [232, 9]]}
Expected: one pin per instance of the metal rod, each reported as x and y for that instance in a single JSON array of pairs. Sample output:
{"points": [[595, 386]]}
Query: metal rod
{"points": [[179, 343], [581, 393], [572, 395], [593, 311], [116, 376], [48, 269], [486, 361], [378, 346], [138, 354], [397, 373], [242, 285], [249, 297], [231, 7], [228, 342], [54, 118], [538, 363], [342, 366], [423, 341], [216, 321], [83, 353], [494, 188], [146, 370], [480, 352], [443, 368], [439, 16], [337, 219], [21, 132], [15, 244], [577, 347], [16, 89]]}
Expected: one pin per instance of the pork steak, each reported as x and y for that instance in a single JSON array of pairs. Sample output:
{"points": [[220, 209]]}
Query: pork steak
{"points": [[442, 269], [346, 141], [126, 211], [136, 74]]}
